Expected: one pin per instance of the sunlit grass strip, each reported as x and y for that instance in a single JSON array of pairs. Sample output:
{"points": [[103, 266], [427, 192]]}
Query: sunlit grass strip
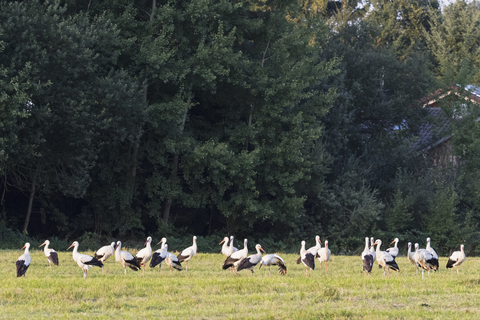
{"points": [[207, 291]]}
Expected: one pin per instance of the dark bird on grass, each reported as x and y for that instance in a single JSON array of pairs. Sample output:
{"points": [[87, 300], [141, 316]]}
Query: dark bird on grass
{"points": [[23, 262], [51, 254], [456, 259], [307, 259], [367, 258], [84, 261], [251, 261], [188, 253], [126, 259], [274, 260]]}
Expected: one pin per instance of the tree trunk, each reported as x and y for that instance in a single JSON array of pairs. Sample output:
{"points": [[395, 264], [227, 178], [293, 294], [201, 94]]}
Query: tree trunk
{"points": [[30, 203]]}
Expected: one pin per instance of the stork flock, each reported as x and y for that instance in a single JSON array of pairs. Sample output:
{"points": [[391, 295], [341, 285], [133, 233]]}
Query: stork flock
{"points": [[426, 259], [237, 260]]}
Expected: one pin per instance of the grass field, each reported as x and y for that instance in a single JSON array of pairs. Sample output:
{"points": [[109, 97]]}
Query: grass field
{"points": [[208, 292]]}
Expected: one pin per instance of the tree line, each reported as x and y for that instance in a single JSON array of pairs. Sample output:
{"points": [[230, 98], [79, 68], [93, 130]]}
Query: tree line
{"points": [[273, 120]]}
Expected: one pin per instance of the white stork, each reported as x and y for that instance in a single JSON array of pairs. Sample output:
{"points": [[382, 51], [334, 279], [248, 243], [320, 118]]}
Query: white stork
{"points": [[104, 253], [23, 262], [411, 256], [456, 259], [228, 249], [251, 261], [372, 249], [188, 253], [51, 254], [324, 255], [172, 261], [313, 250], [394, 250], [434, 254], [367, 258], [385, 259], [424, 259], [159, 256], [307, 259], [234, 259], [84, 261], [126, 259], [144, 255], [274, 260]]}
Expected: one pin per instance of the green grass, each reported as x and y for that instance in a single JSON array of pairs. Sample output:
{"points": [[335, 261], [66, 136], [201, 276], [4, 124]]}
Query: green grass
{"points": [[208, 292]]}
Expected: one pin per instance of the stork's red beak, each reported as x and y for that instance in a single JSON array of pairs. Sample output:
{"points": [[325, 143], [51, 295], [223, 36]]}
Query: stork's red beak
{"points": [[70, 246], [222, 241], [41, 245]]}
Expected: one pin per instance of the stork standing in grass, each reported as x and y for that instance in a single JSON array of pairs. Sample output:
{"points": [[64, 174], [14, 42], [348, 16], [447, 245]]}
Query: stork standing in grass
{"points": [[84, 261], [251, 261], [307, 259], [324, 255], [411, 256], [367, 258], [144, 255], [228, 249], [456, 259], [372, 248], [159, 256], [172, 261], [274, 260], [188, 253], [104, 253], [434, 254], [23, 262], [313, 250], [51, 254], [234, 259], [385, 259], [126, 259], [394, 250], [424, 259]]}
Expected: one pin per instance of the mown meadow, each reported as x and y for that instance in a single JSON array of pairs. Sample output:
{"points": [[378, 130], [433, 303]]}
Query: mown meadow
{"points": [[208, 292]]}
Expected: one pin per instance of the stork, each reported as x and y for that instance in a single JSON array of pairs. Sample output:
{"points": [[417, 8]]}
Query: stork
{"points": [[251, 261], [188, 253], [159, 256], [126, 259], [394, 250], [104, 253], [84, 261], [434, 254], [51, 254], [324, 255], [411, 256], [313, 250], [144, 255], [367, 258], [385, 259], [372, 249], [172, 261], [456, 259], [23, 262], [228, 249], [234, 259], [424, 259], [307, 259], [274, 260]]}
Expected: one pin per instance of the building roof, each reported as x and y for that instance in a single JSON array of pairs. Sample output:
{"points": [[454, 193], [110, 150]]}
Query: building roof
{"points": [[434, 131]]}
